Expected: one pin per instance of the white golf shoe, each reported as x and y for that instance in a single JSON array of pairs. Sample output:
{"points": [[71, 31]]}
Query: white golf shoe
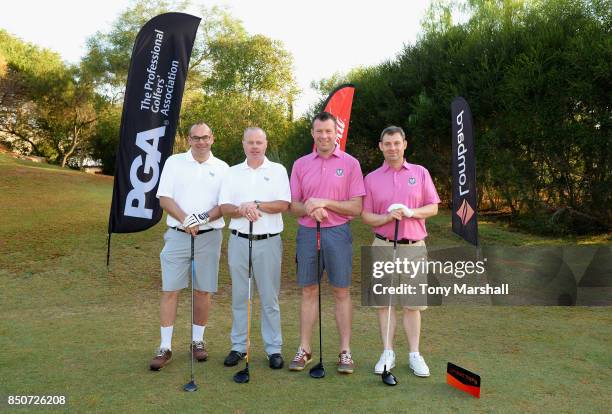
{"points": [[388, 358], [418, 366]]}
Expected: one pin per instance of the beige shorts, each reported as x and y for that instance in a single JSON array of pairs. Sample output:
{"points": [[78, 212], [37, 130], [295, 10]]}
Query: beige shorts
{"points": [[379, 243]]}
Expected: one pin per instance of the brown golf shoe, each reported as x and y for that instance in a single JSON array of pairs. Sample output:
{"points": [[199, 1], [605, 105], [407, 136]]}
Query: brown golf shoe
{"points": [[345, 363], [300, 360], [161, 359], [200, 353]]}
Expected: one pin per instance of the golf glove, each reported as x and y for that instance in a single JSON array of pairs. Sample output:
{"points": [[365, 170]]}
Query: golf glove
{"points": [[407, 211], [196, 220]]}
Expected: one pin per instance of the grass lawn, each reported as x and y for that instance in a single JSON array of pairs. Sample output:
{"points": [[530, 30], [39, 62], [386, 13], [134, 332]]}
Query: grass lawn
{"points": [[71, 327]]}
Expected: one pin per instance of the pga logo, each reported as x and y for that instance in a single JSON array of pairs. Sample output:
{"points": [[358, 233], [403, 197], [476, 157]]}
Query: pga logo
{"points": [[147, 141]]}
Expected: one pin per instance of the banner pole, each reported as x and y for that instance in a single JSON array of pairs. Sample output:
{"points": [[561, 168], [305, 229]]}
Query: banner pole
{"points": [[108, 250]]}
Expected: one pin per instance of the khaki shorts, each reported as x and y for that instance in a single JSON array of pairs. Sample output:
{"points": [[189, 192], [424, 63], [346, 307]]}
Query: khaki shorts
{"points": [[421, 278]]}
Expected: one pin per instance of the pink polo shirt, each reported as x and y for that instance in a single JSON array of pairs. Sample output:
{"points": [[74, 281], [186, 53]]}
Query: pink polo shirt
{"points": [[337, 177], [411, 186]]}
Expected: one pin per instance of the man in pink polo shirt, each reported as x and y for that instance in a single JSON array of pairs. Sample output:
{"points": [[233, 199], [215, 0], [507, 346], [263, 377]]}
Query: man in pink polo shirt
{"points": [[405, 192], [326, 186]]}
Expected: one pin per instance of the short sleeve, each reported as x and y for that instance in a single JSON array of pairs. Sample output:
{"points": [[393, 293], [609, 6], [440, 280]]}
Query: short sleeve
{"points": [[224, 173], [295, 183], [430, 195], [284, 189], [356, 186], [367, 200], [225, 194], [166, 182]]}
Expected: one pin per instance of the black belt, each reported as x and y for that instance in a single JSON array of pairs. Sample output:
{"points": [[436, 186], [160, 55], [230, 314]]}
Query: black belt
{"points": [[255, 236], [402, 241], [199, 231]]}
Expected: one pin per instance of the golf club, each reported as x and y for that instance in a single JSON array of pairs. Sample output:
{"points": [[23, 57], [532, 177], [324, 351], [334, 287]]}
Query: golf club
{"points": [[318, 371], [242, 377], [191, 386], [387, 377]]}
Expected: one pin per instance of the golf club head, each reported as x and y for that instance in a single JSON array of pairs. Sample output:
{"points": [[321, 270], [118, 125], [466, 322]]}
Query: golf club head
{"points": [[317, 371], [242, 377], [190, 386], [388, 378]]}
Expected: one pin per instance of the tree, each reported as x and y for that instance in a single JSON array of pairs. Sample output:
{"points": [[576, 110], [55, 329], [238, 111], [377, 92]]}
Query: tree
{"points": [[42, 104], [537, 75], [71, 117], [108, 53], [254, 66], [105, 137], [235, 80]]}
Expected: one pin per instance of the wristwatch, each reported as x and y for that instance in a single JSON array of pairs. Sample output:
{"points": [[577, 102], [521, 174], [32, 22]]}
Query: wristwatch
{"points": [[258, 204]]}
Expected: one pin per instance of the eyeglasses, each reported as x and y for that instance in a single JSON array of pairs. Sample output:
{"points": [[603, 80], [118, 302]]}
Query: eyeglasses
{"points": [[203, 138]]}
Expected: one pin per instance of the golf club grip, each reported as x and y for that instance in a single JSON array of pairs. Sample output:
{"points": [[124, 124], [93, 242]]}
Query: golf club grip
{"points": [[395, 234], [250, 248]]}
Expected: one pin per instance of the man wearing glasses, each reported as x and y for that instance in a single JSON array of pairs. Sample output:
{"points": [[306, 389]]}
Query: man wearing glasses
{"points": [[189, 191]]}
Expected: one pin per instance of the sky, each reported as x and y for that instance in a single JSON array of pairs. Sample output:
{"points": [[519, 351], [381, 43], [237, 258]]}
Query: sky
{"points": [[360, 33]]}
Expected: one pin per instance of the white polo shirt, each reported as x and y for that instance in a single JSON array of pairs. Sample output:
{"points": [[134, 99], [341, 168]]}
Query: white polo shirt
{"points": [[194, 186], [268, 182]]}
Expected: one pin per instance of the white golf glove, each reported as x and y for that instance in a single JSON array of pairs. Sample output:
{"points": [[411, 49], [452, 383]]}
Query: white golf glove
{"points": [[196, 220], [405, 210]]}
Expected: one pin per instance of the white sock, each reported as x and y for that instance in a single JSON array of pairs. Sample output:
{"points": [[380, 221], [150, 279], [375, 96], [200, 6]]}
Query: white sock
{"points": [[414, 354], [197, 333], [166, 337]]}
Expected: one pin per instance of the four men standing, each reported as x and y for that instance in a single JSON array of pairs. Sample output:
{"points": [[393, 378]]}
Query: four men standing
{"points": [[326, 187]]}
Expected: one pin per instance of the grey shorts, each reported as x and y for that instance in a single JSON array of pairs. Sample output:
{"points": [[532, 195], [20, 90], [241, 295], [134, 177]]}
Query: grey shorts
{"points": [[175, 260], [336, 255]]}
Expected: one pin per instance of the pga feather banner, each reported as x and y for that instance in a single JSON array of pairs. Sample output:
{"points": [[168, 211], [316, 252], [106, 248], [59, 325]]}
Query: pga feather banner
{"points": [[339, 103], [464, 217], [154, 90]]}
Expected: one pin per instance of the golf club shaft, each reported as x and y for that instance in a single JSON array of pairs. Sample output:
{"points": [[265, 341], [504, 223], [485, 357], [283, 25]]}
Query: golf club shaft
{"points": [[248, 344], [391, 297], [319, 288], [192, 281]]}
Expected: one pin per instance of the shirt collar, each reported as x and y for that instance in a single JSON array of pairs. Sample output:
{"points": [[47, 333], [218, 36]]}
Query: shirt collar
{"points": [[387, 167], [190, 158], [265, 164], [337, 152]]}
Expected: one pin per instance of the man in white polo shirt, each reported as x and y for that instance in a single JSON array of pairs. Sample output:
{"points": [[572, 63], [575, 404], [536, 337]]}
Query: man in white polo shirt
{"points": [[257, 191], [189, 191]]}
